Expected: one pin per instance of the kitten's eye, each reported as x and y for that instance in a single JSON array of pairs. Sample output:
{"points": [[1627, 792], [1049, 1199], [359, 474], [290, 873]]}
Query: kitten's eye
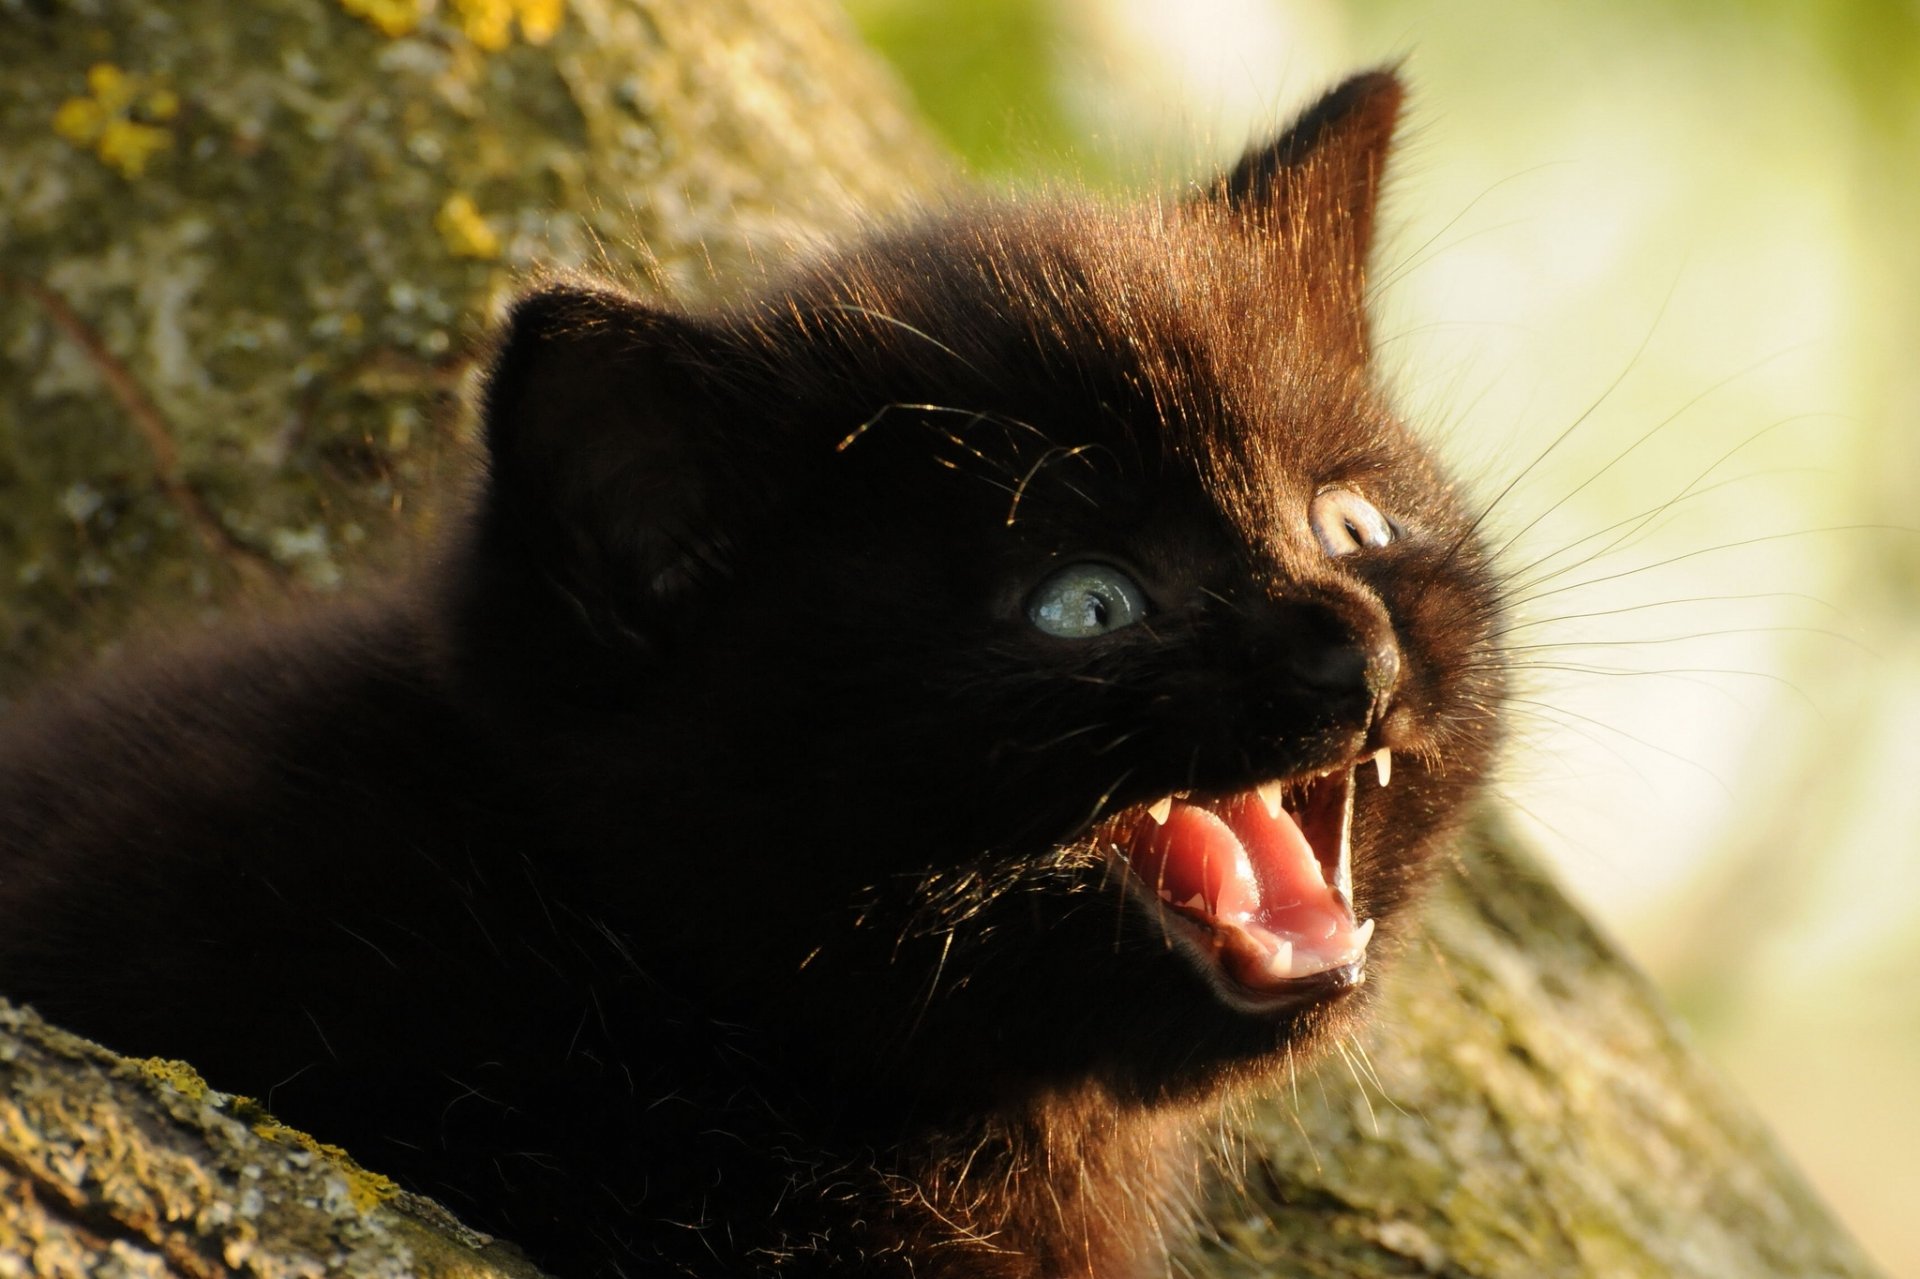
{"points": [[1345, 522], [1084, 600]]}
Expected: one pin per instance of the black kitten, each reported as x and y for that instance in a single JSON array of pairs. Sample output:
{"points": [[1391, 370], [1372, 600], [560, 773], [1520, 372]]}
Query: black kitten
{"points": [[878, 759]]}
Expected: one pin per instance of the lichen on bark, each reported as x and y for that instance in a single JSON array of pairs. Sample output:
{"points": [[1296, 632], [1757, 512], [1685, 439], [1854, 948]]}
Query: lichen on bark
{"points": [[117, 1167], [247, 255]]}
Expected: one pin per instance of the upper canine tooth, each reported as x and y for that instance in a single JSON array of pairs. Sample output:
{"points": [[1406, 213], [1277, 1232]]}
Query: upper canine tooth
{"points": [[1161, 810], [1383, 764], [1271, 795]]}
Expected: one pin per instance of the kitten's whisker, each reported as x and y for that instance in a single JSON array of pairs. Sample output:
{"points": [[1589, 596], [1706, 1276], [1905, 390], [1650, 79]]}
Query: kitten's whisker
{"points": [[1710, 550], [1360, 1085], [1529, 623], [1640, 521], [1067, 736], [1677, 672], [1414, 260], [1437, 326], [1208, 592], [854, 308], [1627, 452], [1677, 675], [1106, 797], [1120, 741], [933, 986], [295, 1075], [1413, 264], [1058, 453], [973, 450], [1295, 1112], [1618, 379], [1637, 740], [1692, 635], [1551, 726], [1512, 572], [1366, 1062]]}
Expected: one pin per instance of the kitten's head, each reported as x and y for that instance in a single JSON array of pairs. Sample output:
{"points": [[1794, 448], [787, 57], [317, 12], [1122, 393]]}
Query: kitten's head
{"points": [[976, 661]]}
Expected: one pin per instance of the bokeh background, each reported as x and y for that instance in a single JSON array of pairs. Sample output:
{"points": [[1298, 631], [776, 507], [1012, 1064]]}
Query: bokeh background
{"points": [[1652, 280]]}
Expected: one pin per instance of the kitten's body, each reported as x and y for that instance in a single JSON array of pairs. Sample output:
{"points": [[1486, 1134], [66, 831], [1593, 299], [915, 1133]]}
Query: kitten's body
{"points": [[713, 865]]}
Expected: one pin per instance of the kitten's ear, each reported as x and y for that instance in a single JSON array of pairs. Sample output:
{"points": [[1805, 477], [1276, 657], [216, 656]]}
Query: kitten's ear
{"points": [[1316, 187], [602, 458]]}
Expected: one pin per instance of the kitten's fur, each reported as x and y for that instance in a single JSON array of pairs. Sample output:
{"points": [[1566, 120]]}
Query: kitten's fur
{"points": [[694, 870]]}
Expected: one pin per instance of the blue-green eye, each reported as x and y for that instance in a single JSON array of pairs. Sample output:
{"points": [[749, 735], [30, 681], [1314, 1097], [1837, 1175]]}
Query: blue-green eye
{"points": [[1084, 600]]}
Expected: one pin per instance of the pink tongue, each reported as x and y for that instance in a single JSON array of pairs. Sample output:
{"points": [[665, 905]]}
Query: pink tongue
{"points": [[1242, 863], [1196, 854]]}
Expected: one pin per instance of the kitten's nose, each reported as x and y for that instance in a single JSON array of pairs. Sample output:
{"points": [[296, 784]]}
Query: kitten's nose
{"points": [[1334, 657]]}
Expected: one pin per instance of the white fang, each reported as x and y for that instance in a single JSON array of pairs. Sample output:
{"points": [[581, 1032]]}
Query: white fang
{"points": [[1271, 796]]}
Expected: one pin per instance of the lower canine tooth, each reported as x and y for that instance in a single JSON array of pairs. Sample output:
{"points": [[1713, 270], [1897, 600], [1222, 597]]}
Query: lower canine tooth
{"points": [[1271, 795], [1161, 810], [1383, 764]]}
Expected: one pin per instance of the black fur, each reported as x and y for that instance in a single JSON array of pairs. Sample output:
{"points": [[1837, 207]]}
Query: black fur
{"points": [[695, 871]]}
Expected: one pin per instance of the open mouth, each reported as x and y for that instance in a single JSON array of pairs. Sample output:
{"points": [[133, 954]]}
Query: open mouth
{"points": [[1257, 886]]}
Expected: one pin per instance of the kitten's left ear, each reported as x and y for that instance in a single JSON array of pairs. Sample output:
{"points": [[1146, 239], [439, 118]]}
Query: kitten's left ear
{"points": [[1315, 188], [610, 464]]}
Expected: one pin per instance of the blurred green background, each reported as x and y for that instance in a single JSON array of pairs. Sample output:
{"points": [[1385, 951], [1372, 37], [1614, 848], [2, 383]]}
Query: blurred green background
{"points": [[1692, 234]]}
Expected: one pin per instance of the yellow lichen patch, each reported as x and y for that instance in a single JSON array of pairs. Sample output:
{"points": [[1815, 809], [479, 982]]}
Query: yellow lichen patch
{"points": [[177, 1075], [120, 119], [489, 23], [128, 146], [464, 230], [393, 17], [79, 121], [365, 1189], [539, 19], [113, 88]]}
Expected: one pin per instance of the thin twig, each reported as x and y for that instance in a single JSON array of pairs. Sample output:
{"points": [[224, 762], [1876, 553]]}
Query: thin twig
{"points": [[147, 419]]}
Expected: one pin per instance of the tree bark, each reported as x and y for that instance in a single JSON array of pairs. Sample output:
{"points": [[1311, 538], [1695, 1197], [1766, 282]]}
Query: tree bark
{"points": [[111, 1167], [1521, 1104], [247, 255], [244, 258]]}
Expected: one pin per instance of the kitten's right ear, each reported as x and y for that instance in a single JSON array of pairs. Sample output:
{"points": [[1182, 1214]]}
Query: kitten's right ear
{"points": [[1333, 152], [1313, 193], [602, 461]]}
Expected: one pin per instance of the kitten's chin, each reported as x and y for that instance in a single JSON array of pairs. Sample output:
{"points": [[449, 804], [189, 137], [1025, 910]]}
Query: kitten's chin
{"points": [[1253, 888]]}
